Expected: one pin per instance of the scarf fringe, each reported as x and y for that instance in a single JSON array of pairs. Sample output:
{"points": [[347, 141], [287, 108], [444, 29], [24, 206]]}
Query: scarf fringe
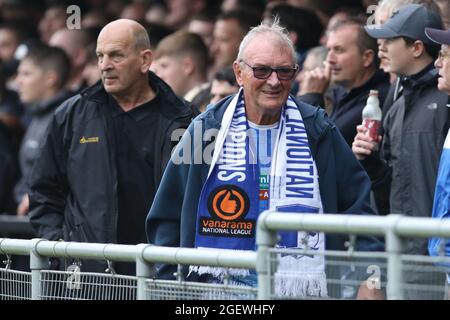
{"points": [[298, 285], [300, 277], [219, 273]]}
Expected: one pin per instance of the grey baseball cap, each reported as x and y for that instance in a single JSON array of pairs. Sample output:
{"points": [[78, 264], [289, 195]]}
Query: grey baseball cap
{"points": [[408, 21]]}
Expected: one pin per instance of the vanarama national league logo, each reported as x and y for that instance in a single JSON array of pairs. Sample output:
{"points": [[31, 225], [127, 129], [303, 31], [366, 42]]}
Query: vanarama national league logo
{"points": [[228, 203], [228, 206]]}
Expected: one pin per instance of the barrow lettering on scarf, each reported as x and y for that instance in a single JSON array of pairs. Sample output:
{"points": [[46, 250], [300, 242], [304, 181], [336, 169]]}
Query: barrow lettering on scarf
{"points": [[299, 162], [228, 202], [234, 151]]}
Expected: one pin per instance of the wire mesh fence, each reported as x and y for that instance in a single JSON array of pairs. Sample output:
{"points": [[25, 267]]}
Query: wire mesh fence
{"points": [[185, 290], [344, 272], [63, 285], [424, 278], [281, 273], [15, 285]]}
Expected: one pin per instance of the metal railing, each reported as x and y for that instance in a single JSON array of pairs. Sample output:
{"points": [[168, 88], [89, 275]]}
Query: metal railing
{"points": [[394, 228], [143, 255]]}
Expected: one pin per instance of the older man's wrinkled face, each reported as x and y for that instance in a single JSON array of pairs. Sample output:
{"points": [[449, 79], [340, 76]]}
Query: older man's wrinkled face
{"points": [[118, 61], [264, 98], [443, 65]]}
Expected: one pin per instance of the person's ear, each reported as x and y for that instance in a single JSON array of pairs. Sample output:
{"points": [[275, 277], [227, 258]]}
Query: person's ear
{"points": [[187, 66], [294, 37], [51, 79], [418, 48], [237, 68], [368, 57], [146, 60]]}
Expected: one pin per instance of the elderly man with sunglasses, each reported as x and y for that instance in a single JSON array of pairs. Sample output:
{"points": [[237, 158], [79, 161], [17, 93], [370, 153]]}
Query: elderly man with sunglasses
{"points": [[256, 150]]}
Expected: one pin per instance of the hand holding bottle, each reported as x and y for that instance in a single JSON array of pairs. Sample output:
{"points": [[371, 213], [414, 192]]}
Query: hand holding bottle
{"points": [[364, 145], [367, 137], [371, 115]]}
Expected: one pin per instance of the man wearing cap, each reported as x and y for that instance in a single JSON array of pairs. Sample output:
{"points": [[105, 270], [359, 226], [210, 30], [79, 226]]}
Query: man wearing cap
{"points": [[414, 126], [441, 205]]}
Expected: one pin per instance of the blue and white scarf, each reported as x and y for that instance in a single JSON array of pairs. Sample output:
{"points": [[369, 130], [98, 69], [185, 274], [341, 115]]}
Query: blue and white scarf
{"points": [[229, 201]]}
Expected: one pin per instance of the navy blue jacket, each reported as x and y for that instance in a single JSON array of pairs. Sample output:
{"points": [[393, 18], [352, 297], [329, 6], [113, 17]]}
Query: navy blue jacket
{"points": [[344, 185]]}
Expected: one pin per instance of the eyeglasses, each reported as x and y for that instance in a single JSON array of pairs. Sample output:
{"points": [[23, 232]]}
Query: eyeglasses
{"points": [[264, 72], [443, 54]]}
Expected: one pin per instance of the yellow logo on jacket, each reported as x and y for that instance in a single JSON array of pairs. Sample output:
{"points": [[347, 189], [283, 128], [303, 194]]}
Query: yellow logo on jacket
{"points": [[89, 140]]}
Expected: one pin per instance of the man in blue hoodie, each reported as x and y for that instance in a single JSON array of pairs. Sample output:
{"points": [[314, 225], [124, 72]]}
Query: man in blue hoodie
{"points": [[441, 209], [269, 151]]}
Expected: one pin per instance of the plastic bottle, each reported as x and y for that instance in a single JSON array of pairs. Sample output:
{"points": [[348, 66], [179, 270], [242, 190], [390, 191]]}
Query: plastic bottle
{"points": [[371, 115]]}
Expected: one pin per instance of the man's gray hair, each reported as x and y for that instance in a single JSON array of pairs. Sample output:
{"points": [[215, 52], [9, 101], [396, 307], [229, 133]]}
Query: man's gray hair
{"points": [[141, 39], [273, 28]]}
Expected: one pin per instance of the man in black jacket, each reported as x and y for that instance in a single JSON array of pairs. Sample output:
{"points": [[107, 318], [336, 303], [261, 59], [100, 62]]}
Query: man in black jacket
{"points": [[41, 78], [107, 147], [8, 170]]}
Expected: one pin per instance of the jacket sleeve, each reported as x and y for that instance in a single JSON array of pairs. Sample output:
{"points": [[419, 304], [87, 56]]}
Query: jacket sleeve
{"points": [[314, 99], [380, 173], [353, 187], [174, 131], [164, 218], [8, 173], [48, 185], [353, 184]]}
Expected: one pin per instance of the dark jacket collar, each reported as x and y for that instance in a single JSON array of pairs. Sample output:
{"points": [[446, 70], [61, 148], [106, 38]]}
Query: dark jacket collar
{"points": [[377, 79], [174, 107], [48, 105], [427, 75]]}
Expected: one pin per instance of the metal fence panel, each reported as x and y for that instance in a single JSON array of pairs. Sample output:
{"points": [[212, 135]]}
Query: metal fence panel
{"points": [[397, 276], [15, 285], [423, 278], [185, 290], [61, 285], [345, 272]]}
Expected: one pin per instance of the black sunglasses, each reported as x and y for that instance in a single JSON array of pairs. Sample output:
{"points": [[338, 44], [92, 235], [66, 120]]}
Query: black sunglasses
{"points": [[264, 72]]}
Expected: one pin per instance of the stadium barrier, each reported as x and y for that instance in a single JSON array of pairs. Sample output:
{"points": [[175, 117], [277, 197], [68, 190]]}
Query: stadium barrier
{"points": [[345, 269]]}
